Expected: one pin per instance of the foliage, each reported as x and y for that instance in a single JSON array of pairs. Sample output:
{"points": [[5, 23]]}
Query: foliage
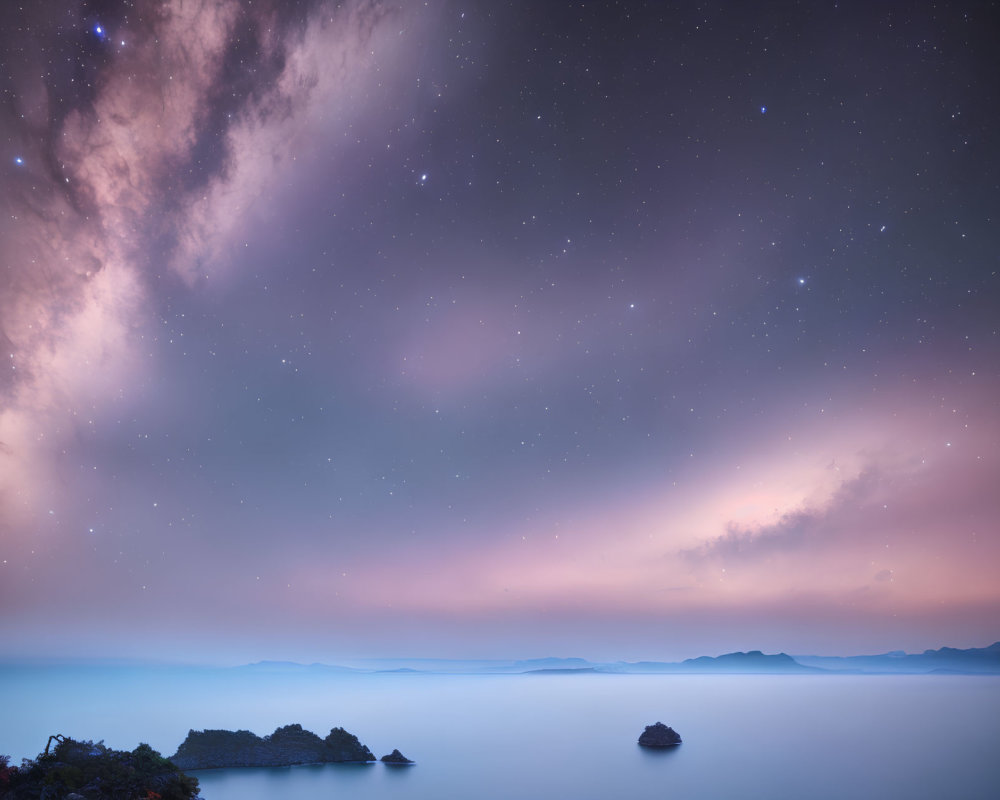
{"points": [[96, 772], [6, 771]]}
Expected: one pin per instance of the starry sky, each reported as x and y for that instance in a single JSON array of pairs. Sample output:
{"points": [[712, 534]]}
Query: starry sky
{"points": [[497, 329]]}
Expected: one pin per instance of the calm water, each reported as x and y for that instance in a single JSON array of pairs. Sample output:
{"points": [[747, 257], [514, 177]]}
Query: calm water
{"points": [[548, 736]]}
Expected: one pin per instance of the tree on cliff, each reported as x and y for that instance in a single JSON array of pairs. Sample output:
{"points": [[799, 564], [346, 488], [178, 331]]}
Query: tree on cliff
{"points": [[96, 772]]}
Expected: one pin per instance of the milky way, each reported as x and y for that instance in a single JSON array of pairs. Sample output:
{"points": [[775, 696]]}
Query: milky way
{"points": [[620, 330]]}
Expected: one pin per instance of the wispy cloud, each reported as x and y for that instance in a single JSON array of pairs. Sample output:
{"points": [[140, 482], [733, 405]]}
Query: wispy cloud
{"points": [[798, 529]]}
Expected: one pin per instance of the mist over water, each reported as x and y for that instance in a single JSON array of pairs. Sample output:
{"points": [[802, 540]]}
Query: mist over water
{"points": [[504, 736]]}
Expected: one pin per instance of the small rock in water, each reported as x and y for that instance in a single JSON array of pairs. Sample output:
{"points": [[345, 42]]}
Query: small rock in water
{"points": [[659, 735], [395, 757]]}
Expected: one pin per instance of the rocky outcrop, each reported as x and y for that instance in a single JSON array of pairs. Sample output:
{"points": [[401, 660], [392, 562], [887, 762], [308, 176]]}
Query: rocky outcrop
{"points": [[345, 746], [395, 757], [293, 745], [220, 748], [289, 745], [659, 735]]}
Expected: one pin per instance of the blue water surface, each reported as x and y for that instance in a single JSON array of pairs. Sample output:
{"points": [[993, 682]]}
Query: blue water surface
{"points": [[545, 736]]}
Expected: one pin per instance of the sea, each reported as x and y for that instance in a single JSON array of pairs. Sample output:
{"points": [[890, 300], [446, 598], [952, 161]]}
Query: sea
{"points": [[559, 735]]}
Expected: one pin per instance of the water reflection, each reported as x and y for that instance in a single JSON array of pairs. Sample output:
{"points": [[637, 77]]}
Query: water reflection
{"points": [[660, 753], [252, 782], [398, 772]]}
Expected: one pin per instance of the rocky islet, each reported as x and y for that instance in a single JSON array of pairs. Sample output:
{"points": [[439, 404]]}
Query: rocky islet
{"points": [[395, 758], [289, 745], [659, 735]]}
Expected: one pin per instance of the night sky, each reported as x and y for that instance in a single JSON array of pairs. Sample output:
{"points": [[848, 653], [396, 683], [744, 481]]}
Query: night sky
{"points": [[498, 329]]}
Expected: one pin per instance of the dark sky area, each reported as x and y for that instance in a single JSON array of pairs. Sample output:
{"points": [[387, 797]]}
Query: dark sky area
{"points": [[613, 329]]}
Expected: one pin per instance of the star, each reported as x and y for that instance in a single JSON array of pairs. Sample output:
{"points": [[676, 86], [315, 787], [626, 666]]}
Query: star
{"points": [[162, 373]]}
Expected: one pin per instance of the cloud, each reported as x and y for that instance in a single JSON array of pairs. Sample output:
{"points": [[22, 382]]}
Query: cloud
{"points": [[796, 529], [892, 500], [904, 535]]}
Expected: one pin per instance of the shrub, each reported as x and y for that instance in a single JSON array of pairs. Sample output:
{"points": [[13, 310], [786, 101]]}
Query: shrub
{"points": [[98, 773]]}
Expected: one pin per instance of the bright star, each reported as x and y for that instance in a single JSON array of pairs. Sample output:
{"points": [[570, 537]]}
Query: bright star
{"points": [[423, 177], [802, 281], [763, 109], [18, 160], [99, 32]]}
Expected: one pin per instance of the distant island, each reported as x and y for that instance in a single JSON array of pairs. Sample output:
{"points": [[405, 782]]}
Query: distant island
{"points": [[753, 662], [946, 660]]}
